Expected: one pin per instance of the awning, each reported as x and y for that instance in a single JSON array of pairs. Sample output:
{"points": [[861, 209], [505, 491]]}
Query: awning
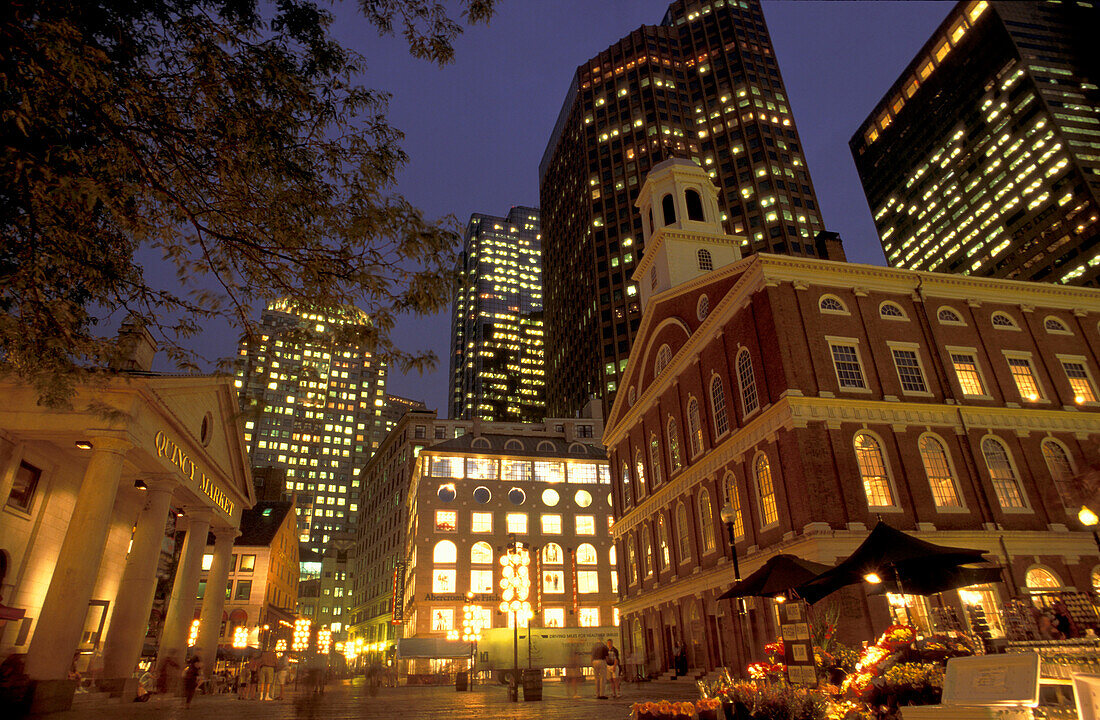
{"points": [[433, 648]]}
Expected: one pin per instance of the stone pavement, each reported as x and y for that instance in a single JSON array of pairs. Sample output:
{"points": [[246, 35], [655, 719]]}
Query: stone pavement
{"points": [[348, 700]]}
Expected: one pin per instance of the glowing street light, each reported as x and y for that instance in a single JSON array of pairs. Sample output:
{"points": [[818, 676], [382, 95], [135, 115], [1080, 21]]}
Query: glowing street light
{"points": [[240, 637], [194, 636], [515, 585], [280, 645], [873, 578], [301, 635], [324, 640]]}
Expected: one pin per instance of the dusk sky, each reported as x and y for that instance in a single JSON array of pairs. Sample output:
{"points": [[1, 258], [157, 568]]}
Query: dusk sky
{"points": [[476, 129]]}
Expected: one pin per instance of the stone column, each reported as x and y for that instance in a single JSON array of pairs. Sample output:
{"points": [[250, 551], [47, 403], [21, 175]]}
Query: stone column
{"points": [[134, 601], [61, 621], [213, 602], [181, 604]]}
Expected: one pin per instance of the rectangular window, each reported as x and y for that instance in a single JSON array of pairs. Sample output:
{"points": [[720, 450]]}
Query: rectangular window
{"points": [[553, 581], [588, 581], [553, 617], [202, 590], [551, 471], [586, 525], [481, 469], [244, 589], [22, 490], [584, 473], [443, 581], [551, 524], [849, 372], [481, 522], [1079, 381], [1024, 376], [448, 467], [614, 581], [207, 561], [446, 520], [248, 563], [966, 370], [909, 371], [443, 619], [516, 522], [516, 470], [481, 581], [589, 617]]}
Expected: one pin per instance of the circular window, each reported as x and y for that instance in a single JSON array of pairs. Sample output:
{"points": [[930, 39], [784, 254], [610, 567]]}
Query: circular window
{"points": [[205, 430], [516, 496], [550, 497], [609, 499], [583, 498], [482, 494], [446, 492]]}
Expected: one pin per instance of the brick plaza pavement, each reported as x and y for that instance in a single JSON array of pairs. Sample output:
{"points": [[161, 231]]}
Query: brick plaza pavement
{"points": [[348, 700]]}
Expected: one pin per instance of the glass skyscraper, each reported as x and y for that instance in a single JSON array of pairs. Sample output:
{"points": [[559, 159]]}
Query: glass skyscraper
{"points": [[703, 85], [984, 156], [313, 407], [497, 353]]}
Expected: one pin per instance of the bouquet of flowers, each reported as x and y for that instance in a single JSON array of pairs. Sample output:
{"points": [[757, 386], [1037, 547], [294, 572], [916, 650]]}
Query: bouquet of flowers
{"points": [[662, 710], [897, 637]]}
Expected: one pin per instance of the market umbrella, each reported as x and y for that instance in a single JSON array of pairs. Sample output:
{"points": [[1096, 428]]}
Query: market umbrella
{"points": [[893, 555], [939, 580], [777, 576]]}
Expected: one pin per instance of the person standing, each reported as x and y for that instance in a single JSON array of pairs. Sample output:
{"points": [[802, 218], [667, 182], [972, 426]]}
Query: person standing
{"points": [[192, 676], [614, 668], [282, 668], [599, 669], [267, 674]]}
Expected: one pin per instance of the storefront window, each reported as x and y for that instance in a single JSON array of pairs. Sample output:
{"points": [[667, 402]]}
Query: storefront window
{"points": [[983, 599]]}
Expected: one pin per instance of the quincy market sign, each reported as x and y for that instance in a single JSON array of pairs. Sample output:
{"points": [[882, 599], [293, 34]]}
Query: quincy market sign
{"points": [[169, 450]]}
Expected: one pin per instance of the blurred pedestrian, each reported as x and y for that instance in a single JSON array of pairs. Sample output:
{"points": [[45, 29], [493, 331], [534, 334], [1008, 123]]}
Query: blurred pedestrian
{"points": [[192, 676], [614, 668]]}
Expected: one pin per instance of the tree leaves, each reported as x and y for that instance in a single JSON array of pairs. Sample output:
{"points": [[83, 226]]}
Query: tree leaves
{"points": [[230, 142]]}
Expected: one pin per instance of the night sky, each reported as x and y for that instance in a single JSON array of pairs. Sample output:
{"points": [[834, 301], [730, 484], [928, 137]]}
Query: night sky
{"points": [[476, 129]]}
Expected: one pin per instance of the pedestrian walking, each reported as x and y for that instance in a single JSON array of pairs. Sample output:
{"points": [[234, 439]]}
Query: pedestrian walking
{"points": [[267, 673], [192, 676], [614, 668], [599, 669], [282, 669]]}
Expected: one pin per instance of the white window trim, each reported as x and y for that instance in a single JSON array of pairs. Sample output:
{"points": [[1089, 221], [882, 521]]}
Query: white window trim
{"points": [[843, 304], [1062, 322], [854, 342], [945, 509], [916, 349], [904, 315], [973, 352], [1083, 361], [1014, 327], [713, 410], [740, 388], [1027, 508], [959, 323], [702, 427], [756, 490], [889, 474], [1025, 355]]}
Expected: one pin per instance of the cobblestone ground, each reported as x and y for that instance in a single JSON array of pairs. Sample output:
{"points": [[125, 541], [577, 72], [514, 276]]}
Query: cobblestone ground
{"points": [[349, 700]]}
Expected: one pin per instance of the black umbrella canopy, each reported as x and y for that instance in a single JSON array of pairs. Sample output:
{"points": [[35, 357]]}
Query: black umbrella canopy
{"points": [[918, 581], [891, 554], [777, 576]]}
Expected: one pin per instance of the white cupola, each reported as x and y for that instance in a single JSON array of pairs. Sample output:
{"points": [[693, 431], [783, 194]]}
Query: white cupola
{"points": [[681, 227]]}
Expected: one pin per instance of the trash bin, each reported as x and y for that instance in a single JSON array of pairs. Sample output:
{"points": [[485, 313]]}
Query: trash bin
{"points": [[532, 685], [462, 681]]}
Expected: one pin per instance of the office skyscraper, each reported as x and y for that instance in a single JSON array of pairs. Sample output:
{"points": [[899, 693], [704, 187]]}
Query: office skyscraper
{"points": [[704, 85], [313, 407], [497, 353], [984, 157]]}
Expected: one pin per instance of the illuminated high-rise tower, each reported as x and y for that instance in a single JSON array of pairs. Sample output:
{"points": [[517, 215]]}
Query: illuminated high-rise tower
{"points": [[497, 354], [313, 407]]}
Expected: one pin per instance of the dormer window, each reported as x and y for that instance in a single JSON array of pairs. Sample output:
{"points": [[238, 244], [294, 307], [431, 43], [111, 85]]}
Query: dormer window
{"points": [[668, 207], [705, 261], [694, 205]]}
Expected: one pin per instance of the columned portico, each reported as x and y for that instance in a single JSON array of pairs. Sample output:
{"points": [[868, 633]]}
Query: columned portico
{"points": [[134, 600], [181, 605], [213, 601], [58, 629]]}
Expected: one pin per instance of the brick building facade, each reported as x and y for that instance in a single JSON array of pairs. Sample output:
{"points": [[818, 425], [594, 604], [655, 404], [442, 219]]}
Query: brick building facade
{"points": [[817, 397]]}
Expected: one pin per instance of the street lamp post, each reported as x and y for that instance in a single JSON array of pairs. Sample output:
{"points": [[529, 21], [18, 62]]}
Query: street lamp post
{"points": [[515, 584], [729, 517], [1089, 519]]}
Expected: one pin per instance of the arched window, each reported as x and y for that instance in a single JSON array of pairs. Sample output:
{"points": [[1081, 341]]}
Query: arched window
{"points": [[639, 468], [655, 459], [586, 554], [647, 552], [695, 428], [611, 555], [1005, 481], [746, 378], [662, 542], [668, 208], [694, 205], [675, 462], [627, 499], [664, 357], [702, 307], [1002, 320], [445, 552], [891, 311], [705, 260], [1061, 471], [1038, 578], [872, 468], [706, 522], [683, 534], [718, 406], [831, 304], [552, 555], [949, 316], [734, 499], [632, 560], [481, 553], [1054, 325], [765, 490], [933, 454]]}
